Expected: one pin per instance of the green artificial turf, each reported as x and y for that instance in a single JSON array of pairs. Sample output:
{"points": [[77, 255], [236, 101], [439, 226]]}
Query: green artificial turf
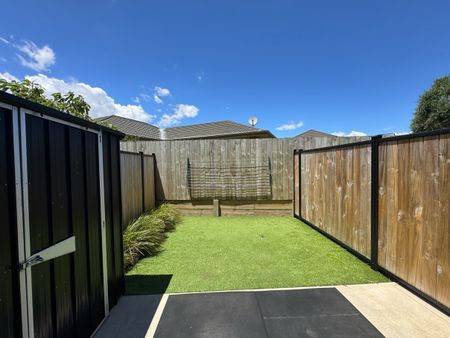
{"points": [[230, 253]]}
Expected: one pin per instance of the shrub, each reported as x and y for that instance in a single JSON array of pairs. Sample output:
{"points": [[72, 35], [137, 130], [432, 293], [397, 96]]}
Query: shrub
{"points": [[143, 237], [169, 215]]}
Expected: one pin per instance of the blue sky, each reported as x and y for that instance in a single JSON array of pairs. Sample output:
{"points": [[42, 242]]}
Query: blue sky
{"points": [[335, 66]]}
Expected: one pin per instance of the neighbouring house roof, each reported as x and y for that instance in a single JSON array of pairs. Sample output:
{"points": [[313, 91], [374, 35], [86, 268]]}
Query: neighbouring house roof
{"points": [[315, 133], [221, 129], [131, 127]]}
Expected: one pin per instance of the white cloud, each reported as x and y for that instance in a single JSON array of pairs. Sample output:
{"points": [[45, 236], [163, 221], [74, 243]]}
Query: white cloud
{"points": [[157, 99], [8, 77], [181, 111], [2, 59], [159, 93], [4, 40], [101, 103], [290, 126], [38, 59], [352, 133]]}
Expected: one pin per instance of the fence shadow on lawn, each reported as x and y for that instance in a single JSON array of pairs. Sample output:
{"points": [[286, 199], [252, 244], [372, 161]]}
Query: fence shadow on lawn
{"points": [[146, 284]]}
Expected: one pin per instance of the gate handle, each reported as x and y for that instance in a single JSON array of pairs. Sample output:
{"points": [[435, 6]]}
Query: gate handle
{"points": [[59, 249], [36, 259]]}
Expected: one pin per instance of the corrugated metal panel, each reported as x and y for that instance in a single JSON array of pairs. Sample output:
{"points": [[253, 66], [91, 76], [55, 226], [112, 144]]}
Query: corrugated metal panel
{"points": [[9, 293], [61, 228], [79, 225], [108, 219], [117, 214], [94, 229], [111, 161], [39, 199]]}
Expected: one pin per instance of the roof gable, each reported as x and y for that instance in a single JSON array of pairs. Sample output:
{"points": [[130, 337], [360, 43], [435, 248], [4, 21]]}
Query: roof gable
{"points": [[315, 133]]}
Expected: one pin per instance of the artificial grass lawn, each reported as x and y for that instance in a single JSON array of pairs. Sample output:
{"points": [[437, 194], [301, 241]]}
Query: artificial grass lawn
{"points": [[229, 253]]}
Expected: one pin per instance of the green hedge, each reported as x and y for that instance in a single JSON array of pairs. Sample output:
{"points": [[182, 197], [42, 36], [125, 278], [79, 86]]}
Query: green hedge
{"points": [[143, 237]]}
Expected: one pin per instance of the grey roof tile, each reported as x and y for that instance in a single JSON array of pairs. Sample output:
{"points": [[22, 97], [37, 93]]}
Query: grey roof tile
{"points": [[132, 127], [315, 133], [204, 130], [212, 129]]}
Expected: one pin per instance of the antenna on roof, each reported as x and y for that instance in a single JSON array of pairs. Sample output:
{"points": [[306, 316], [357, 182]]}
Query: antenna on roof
{"points": [[253, 121]]}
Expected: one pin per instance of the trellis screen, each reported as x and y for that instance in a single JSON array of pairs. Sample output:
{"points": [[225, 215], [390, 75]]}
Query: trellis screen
{"points": [[231, 182]]}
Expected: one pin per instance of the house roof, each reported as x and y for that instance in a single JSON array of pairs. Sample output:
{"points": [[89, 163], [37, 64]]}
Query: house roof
{"points": [[132, 127], [219, 129], [315, 133], [214, 130]]}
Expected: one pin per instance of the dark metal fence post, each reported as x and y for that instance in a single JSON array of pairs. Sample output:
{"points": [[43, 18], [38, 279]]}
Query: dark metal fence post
{"points": [[374, 203], [155, 176], [142, 180], [300, 183], [293, 183]]}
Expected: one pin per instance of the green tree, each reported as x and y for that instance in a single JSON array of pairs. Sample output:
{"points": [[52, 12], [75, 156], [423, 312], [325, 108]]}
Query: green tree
{"points": [[69, 103], [433, 110]]}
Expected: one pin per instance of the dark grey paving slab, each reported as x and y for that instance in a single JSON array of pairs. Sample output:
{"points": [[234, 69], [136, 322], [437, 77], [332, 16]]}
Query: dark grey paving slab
{"points": [[321, 326], [304, 302], [131, 317], [321, 312], [212, 315]]}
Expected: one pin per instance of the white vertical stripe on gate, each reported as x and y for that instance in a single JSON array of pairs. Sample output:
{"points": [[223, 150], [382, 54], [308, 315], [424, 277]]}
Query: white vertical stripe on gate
{"points": [[25, 236], [19, 217]]}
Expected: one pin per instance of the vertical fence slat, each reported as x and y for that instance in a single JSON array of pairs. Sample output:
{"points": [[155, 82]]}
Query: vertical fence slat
{"points": [[443, 233]]}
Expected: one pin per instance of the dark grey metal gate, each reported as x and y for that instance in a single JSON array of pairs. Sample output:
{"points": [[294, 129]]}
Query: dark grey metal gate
{"points": [[60, 197]]}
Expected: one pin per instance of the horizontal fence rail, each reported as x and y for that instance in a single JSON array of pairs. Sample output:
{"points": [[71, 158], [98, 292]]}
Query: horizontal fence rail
{"points": [[387, 201], [138, 184]]}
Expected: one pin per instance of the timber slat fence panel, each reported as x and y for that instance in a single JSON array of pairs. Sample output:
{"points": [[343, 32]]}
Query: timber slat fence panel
{"points": [[138, 184], [171, 160], [414, 221], [404, 206], [335, 194]]}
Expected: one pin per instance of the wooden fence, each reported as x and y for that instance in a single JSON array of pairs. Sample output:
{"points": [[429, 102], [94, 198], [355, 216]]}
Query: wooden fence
{"points": [[388, 201], [138, 184], [223, 156]]}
